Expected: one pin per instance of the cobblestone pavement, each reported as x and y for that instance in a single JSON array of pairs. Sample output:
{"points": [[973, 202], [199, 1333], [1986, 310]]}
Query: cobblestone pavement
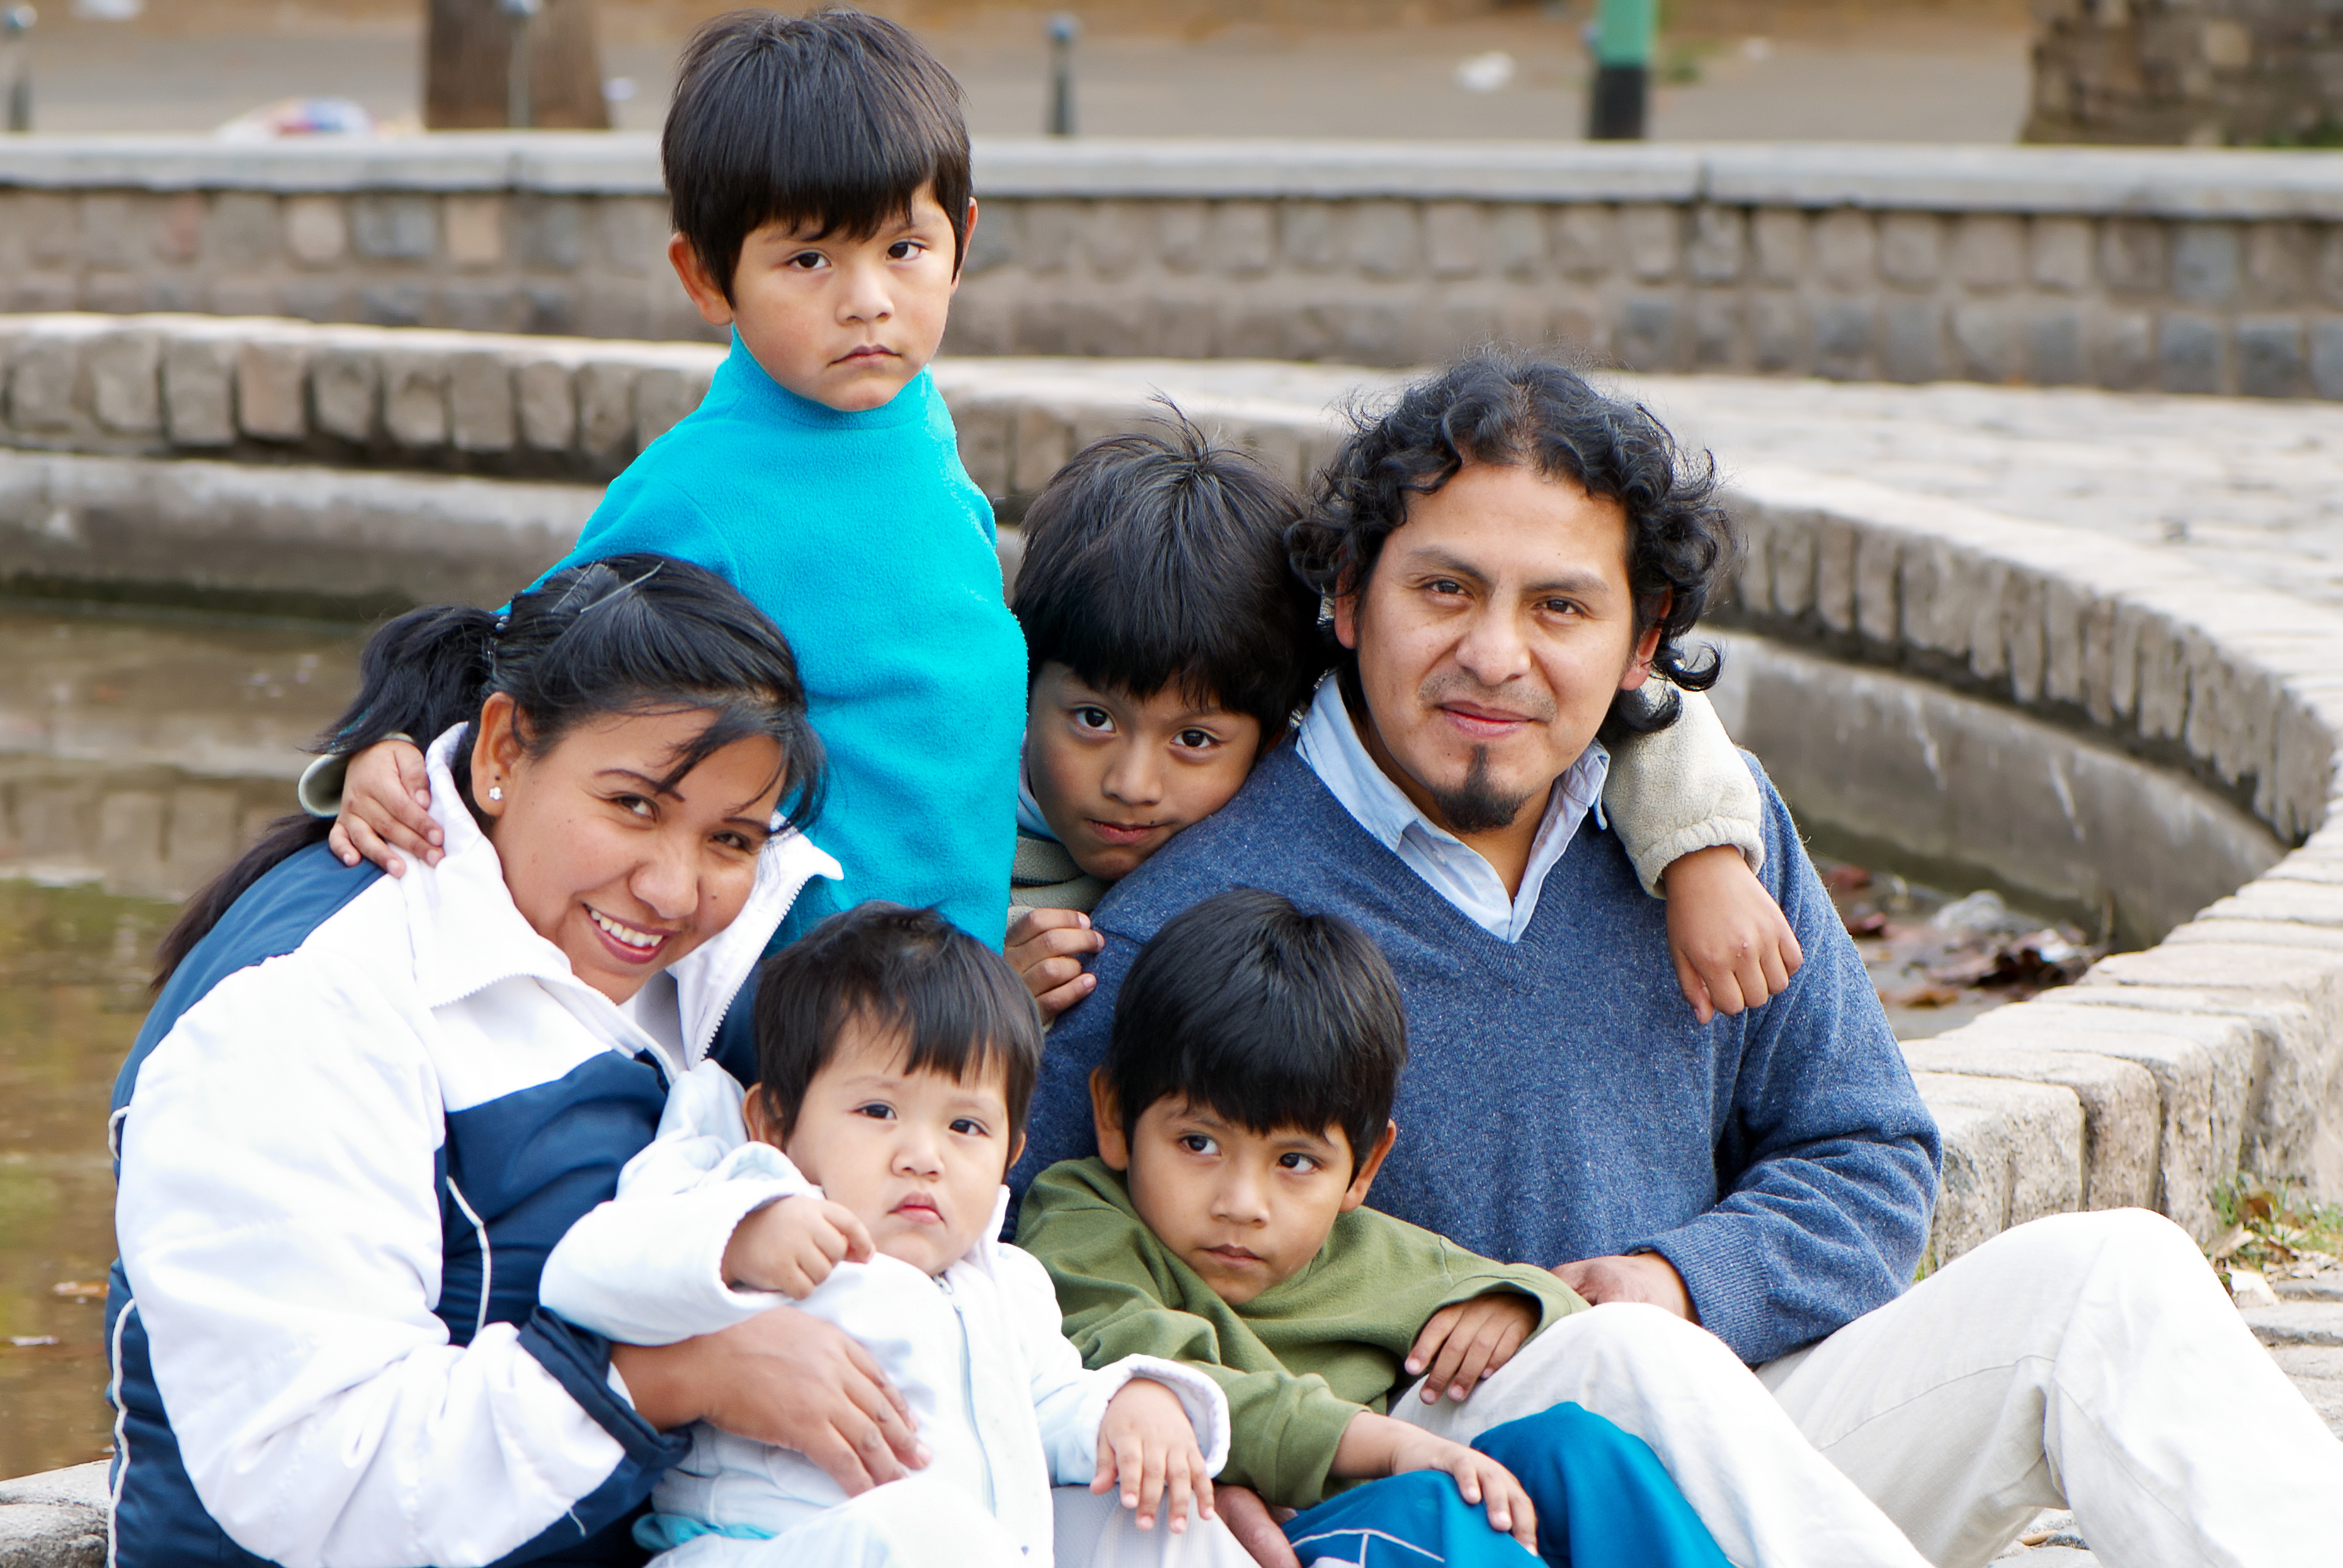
{"points": [[2248, 488]]}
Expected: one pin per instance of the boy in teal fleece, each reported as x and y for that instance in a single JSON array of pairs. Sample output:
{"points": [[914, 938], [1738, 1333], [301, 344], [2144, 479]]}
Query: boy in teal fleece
{"points": [[817, 169], [1242, 1110]]}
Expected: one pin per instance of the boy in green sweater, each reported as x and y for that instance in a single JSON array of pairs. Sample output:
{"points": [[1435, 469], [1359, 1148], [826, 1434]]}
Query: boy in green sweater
{"points": [[1242, 1110]]}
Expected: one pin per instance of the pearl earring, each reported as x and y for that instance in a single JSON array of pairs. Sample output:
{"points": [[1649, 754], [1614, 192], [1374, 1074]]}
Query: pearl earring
{"points": [[496, 792]]}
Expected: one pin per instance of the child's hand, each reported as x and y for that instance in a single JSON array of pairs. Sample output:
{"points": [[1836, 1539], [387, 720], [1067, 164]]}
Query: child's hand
{"points": [[1733, 946], [386, 808], [792, 1245], [1373, 1447], [1466, 1343], [1147, 1443], [1046, 947]]}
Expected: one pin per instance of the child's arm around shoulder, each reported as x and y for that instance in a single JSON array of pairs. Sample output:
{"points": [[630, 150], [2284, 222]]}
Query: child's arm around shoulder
{"points": [[708, 1229], [1689, 815]]}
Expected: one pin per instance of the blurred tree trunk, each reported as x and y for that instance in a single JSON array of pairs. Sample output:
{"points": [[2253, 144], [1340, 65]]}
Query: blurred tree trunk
{"points": [[467, 55]]}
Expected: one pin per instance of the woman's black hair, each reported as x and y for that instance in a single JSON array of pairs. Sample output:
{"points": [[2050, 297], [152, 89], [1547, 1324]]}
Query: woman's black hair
{"points": [[1157, 559], [634, 633], [1500, 408], [958, 1006], [1274, 1019]]}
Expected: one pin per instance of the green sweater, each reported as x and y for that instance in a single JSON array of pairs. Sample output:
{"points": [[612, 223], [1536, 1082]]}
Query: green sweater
{"points": [[1299, 1360]]}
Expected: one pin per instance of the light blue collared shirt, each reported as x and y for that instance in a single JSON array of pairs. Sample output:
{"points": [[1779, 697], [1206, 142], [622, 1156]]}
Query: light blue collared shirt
{"points": [[1329, 743]]}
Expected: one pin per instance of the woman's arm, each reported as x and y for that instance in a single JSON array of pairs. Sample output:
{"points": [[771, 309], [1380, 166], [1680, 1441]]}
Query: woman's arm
{"points": [[280, 1226]]}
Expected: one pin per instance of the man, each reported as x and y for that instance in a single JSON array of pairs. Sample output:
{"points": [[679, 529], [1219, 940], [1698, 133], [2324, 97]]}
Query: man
{"points": [[1508, 556]]}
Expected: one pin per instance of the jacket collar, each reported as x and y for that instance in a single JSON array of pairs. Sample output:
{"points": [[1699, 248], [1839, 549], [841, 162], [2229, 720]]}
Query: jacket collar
{"points": [[468, 935]]}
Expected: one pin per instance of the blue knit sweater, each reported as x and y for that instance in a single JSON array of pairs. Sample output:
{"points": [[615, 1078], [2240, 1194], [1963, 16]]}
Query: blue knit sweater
{"points": [[1559, 1101], [870, 548]]}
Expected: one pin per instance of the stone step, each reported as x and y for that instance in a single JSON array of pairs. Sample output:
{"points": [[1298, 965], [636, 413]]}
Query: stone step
{"points": [[56, 1519], [2324, 1288], [2319, 1323]]}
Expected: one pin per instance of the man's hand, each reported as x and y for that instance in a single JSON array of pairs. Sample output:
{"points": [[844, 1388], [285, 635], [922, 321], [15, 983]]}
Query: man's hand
{"points": [[386, 807], [1644, 1277], [785, 1379], [1046, 947], [1256, 1528], [1731, 944], [1374, 1446], [1466, 1343], [792, 1245], [1148, 1445]]}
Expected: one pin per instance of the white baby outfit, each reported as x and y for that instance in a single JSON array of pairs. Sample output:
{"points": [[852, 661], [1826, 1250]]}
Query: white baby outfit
{"points": [[1001, 1396]]}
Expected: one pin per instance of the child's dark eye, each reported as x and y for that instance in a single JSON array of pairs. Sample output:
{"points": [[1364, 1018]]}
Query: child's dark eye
{"points": [[1197, 1143], [1197, 739], [1097, 719], [904, 249], [805, 260], [878, 1111], [1296, 1163], [969, 1127]]}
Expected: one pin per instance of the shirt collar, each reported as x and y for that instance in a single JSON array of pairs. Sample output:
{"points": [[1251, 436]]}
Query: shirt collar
{"points": [[1329, 741]]}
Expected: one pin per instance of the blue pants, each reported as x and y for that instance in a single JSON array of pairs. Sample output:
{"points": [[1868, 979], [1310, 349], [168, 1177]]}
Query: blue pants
{"points": [[1602, 1501]]}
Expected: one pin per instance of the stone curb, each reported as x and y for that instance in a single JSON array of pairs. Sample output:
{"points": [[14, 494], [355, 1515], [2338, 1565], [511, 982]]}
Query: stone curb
{"points": [[2176, 182], [56, 1519]]}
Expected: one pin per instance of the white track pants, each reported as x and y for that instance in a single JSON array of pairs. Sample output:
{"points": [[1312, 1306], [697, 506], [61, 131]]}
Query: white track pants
{"points": [[2086, 1360]]}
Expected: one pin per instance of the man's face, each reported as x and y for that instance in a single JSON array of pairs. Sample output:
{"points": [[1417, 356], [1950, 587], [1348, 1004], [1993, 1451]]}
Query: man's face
{"points": [[1492, 635]]}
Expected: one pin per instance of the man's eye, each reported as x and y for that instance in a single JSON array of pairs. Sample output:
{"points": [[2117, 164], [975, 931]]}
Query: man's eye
{"points": [[1445, 586], [1562, 607]]}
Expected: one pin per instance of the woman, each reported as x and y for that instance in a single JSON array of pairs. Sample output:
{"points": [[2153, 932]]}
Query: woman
{"points": [[363, 1109]]}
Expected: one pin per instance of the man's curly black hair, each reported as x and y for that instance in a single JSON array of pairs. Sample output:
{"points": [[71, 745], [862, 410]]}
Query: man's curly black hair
{"points": [[1496, 407]]}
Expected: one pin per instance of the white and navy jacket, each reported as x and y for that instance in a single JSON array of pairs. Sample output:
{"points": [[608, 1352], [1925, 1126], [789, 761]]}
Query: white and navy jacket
{"points": [[358, 1119], [979, 1353]]}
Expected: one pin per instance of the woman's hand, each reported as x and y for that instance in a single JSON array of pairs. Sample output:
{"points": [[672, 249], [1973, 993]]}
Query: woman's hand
{"points": [[1374, 1446], [1466, 1343], [1257, 1529], [386, 807], [1148, 1443], [785, 1379], [1046, 947]]}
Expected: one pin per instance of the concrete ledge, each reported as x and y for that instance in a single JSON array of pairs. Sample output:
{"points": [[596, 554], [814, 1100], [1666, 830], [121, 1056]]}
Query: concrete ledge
{"points": [[2164, 182], [2013, 1152], [57, 1520]]}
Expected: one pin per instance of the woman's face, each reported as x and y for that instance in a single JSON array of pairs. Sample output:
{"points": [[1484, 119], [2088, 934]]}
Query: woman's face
{"points": [[621, 874]]}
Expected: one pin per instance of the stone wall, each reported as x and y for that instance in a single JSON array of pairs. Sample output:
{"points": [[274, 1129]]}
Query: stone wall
{"points": [[2201, 73], [2187, 270]]}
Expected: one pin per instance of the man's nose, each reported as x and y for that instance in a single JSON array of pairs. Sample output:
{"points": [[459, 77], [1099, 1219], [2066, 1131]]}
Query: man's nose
{"points": [[1493, 649]]}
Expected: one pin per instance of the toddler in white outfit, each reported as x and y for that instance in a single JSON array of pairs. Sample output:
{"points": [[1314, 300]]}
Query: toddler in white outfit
{"points": [[862, 1181]]}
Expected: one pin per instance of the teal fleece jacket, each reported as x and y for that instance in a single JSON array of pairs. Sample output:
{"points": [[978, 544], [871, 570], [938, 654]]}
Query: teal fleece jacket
{"points": [[870, 548]]}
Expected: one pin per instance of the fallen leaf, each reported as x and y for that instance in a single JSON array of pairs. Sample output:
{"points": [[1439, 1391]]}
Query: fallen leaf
{"points": [[1921, 996], [1870, 923], [1847, 878]]}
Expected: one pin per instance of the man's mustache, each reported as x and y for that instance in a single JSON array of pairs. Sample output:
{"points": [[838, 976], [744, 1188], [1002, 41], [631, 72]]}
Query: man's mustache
{"points": [[1450, 686]]}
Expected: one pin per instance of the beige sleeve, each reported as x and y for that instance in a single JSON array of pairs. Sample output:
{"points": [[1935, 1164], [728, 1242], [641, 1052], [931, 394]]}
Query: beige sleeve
{"points": [[1681, 789], [320, 791]]}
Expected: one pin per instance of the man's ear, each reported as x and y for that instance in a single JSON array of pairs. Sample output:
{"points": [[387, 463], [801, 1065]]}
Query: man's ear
{"points": [[497, 752], [1647, 643], [1365, 1176], [1106, 1120], [706, 293], [1346, 619]]}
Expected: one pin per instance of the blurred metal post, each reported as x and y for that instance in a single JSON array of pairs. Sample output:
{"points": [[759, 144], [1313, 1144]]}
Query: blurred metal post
{"points": [[1616, 108], [517, 100], [1065, 27], [16, 55]]}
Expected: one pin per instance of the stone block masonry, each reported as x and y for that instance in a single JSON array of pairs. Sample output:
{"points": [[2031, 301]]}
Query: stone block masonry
{"points": [[2185, 270]]}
